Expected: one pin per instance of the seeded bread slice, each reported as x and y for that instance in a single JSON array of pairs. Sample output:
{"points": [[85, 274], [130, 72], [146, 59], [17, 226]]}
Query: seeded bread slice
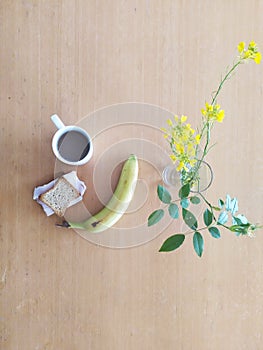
{"points": [[59, 197]]}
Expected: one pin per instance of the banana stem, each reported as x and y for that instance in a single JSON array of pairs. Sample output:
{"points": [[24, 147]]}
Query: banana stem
{"points": [[64, 224]]}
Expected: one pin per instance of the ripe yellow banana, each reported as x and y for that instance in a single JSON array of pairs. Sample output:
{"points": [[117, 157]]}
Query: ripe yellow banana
{"points": [[119, 202]]}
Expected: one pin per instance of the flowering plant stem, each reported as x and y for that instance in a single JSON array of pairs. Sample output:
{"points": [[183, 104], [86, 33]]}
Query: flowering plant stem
{"points": [[184, 144], [207, 124]]}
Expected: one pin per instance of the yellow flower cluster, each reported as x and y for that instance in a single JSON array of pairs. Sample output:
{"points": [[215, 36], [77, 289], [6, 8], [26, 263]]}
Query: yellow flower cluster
{"points": [[182, 138], [250, 53], [213, 112], [183, 141]]}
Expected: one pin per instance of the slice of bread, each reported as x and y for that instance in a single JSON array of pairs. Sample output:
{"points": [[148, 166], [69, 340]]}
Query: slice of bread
{"points": [[59, 197]]}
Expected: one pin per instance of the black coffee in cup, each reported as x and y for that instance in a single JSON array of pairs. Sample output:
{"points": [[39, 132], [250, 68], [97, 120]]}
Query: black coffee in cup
{"points": [[73, 146]]}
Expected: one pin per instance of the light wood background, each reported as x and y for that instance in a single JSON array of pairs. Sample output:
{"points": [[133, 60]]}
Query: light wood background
{"points": [[59, 291]]}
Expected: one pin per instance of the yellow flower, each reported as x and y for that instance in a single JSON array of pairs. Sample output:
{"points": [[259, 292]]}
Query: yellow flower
{"points": [[220, 116], [190, 150], [257, 58], [165, 133], [203, 111], [209, 107], [183, 140], [251, 52], [213, 112], [241, 46], [180, 166], [247, 54], [173, 157], [179, 148], [197, 138], [252, 44]]}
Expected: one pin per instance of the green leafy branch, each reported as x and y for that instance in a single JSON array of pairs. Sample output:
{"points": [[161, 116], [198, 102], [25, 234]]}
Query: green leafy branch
{"points": [[212, 222]]}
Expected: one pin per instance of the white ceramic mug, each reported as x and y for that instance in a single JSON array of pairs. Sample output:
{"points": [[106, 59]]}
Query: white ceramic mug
{"points": [[71, 144]]}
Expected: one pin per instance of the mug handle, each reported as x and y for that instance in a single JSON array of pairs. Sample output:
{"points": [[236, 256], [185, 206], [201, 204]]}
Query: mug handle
{"points": [[57, 121]]}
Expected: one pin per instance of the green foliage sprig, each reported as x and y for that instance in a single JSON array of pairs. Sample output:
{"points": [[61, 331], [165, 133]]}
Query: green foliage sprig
{"points": [[224, 214]]}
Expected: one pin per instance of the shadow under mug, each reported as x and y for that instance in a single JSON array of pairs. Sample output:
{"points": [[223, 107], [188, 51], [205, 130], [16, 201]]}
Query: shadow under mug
{"points": [[71, 144]]}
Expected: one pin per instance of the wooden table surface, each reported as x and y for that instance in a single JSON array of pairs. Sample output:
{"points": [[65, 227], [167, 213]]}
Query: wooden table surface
{"points": [[60, 291]]}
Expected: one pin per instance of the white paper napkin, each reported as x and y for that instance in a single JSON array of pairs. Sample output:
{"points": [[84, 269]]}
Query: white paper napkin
{"points": [[72, 179]]}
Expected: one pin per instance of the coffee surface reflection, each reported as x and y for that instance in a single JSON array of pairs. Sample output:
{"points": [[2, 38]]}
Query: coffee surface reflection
{"points": [[73, 146]]}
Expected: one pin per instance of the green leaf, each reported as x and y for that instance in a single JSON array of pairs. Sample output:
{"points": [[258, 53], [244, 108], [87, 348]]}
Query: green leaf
{"points": [[221, 203], [198, 243], [208, 217], [231, 204], [236, 221], [195, 200], [184, 191], [184, 203], [214, 232], [234, 206], [228, 202], [240, 229], [223, 218], [240, 219], [173, 210], [189, 219], [156, 216], [163, 194], [172, 243]]}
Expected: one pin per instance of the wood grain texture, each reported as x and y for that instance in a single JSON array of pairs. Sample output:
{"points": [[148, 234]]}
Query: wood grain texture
{"points": [[59, 291]]}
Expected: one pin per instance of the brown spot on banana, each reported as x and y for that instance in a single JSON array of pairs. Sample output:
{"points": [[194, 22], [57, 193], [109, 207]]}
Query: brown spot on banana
{"points": [[94, 224]]}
